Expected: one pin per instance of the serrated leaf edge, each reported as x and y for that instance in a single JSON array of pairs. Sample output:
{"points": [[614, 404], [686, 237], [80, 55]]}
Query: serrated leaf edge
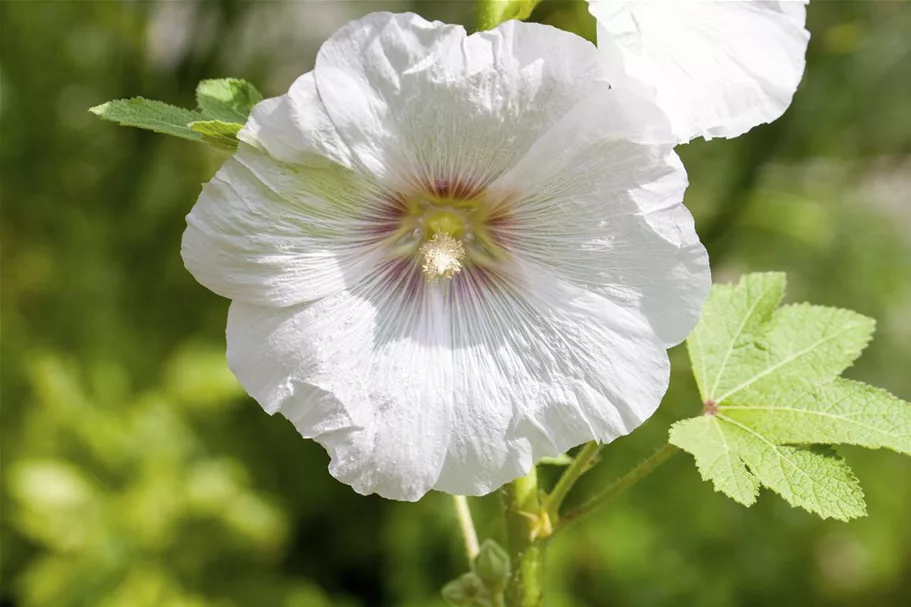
{"points": [[99, 110], [801, 470], [730, 453]]}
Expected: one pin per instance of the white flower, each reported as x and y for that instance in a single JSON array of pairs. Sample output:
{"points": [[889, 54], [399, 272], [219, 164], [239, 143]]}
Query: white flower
{"points": [[716, 67], [446, 259]]}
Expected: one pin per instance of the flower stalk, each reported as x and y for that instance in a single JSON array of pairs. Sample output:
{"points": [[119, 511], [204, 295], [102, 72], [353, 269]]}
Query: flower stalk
{"points": [[525, 520], [469, 535], [581, 464], [623, 483]]}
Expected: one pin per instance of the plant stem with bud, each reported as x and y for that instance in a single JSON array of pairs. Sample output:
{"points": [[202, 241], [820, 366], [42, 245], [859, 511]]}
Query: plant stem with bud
{"points": [[523, 532]]}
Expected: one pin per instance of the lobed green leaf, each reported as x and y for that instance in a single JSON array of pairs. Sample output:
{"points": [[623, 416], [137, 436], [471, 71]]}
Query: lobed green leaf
{"points": [[716, 458], [772, 397]]}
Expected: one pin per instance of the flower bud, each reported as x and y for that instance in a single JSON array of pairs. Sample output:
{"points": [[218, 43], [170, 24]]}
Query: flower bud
{"points": [[492, 566], [467, 590]]}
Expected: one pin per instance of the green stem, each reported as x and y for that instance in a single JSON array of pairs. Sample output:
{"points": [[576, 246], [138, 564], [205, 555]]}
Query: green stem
{"points": [[467, 526], [580, 466], [526, 554], [489, 13], [623, 483]]}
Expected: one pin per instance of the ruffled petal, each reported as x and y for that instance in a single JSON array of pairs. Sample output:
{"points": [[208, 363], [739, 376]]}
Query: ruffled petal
{"points": [[717, 68], [605, 212], [422, 103], [295, 128], [458, 386], [267, 233], [367, 373], [543, 366]]}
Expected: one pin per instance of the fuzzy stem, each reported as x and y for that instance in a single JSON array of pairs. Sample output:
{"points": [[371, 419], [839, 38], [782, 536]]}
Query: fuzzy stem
{"points": [[526, 553], [620, 485], [580, 466], [467, 526]]}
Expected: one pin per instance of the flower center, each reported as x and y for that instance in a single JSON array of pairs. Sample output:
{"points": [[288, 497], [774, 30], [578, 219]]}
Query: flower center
{"points": [[442, 256], [448, 233]]}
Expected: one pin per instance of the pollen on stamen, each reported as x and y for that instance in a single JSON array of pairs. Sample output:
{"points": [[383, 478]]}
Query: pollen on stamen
{"points": [[442, 256]]}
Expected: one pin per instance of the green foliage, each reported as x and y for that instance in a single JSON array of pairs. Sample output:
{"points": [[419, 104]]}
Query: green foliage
{"points": [[216, 132], [563, 459], [227, 99], [518, 9], [495, 12], [90, 239], [114, 489], [465, 591], [151, 115], [492, 566], [483, 586], [224, 105], [772, 397]]}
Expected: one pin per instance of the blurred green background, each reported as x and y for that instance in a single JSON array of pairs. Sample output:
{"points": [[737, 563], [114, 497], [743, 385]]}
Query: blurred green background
{"points": [[136, 473]]}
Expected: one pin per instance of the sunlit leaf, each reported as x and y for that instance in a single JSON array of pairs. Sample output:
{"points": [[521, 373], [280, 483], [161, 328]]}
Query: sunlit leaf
{"points": [[152, 115], [771, 395], [227, 99], [224, 105], [218, 133]]}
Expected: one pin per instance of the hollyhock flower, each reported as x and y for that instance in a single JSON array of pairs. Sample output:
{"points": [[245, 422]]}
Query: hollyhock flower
{"points": [[716, 67], [446, 260]]}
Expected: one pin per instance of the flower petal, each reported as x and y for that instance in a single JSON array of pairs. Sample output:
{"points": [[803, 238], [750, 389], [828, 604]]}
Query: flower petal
{"points": [[544, 366], [422, 101], [295, 128], [367, 373], [606, 213], [271, 234], [457, 386], [717, 68]]}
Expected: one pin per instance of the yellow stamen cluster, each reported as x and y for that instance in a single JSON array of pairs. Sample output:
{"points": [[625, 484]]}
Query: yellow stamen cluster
{"points": [[442, 256]]}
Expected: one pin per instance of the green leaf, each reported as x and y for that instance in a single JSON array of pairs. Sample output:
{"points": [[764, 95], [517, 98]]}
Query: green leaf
{"points": [[716, 459], [218, 133], [492, 14], [152, 115], [771, 395], [224, 106], [801, 342], [520, 9], [737, 459], [227, 99], [841, 412]]}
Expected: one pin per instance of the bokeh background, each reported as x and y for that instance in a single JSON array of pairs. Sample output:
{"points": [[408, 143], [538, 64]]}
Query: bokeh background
{"points": [[135, 472]]}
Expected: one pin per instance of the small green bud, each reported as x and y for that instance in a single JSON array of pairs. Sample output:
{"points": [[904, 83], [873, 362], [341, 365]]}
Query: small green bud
{"points": [[492, 566], [467, 590]]}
